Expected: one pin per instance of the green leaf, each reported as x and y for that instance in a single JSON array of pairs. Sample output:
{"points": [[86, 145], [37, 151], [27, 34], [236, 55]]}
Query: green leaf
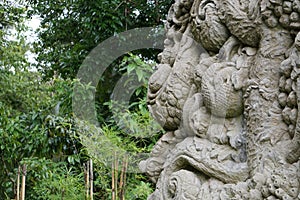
{"points": [[140, 74]]}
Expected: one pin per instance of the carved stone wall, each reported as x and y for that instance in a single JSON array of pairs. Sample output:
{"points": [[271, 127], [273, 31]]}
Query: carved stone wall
{"points": [[227, 92]]}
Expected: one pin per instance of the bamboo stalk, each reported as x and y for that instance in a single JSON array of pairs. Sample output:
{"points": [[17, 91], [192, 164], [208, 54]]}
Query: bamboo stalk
{"points": [[124, 178], [113, 180], [62, 194], [121, 184], [116, 174], [91, 179], [18, 183], [87, 180], [24, 172], [84, 173]]}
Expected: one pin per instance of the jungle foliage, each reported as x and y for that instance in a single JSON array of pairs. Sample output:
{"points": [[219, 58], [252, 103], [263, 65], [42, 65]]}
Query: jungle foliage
{"points": [[37, 124]]}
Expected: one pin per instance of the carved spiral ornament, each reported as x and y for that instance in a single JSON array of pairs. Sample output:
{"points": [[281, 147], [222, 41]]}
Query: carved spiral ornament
{"points": [[179, 181], [207, 26]]}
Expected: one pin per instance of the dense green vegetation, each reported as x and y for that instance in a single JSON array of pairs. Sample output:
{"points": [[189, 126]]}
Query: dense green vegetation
{"points": [[37, 124]]}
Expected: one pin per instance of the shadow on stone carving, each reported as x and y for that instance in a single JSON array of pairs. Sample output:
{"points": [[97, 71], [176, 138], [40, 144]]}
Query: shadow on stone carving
{"points": [[227, 92]]}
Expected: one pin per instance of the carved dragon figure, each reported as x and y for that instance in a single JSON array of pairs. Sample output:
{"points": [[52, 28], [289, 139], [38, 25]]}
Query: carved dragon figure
{"points": [[226, 91]]}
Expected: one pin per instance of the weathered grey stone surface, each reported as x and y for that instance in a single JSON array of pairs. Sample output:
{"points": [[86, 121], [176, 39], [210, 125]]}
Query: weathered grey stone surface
{"points": [[227, 91]]}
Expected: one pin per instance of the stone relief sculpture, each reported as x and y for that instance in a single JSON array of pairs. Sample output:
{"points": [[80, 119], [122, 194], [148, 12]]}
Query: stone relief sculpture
{"points": [[227, 92]]}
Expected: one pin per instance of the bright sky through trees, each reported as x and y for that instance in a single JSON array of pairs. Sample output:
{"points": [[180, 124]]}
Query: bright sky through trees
{"points": [[33, 25]]}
